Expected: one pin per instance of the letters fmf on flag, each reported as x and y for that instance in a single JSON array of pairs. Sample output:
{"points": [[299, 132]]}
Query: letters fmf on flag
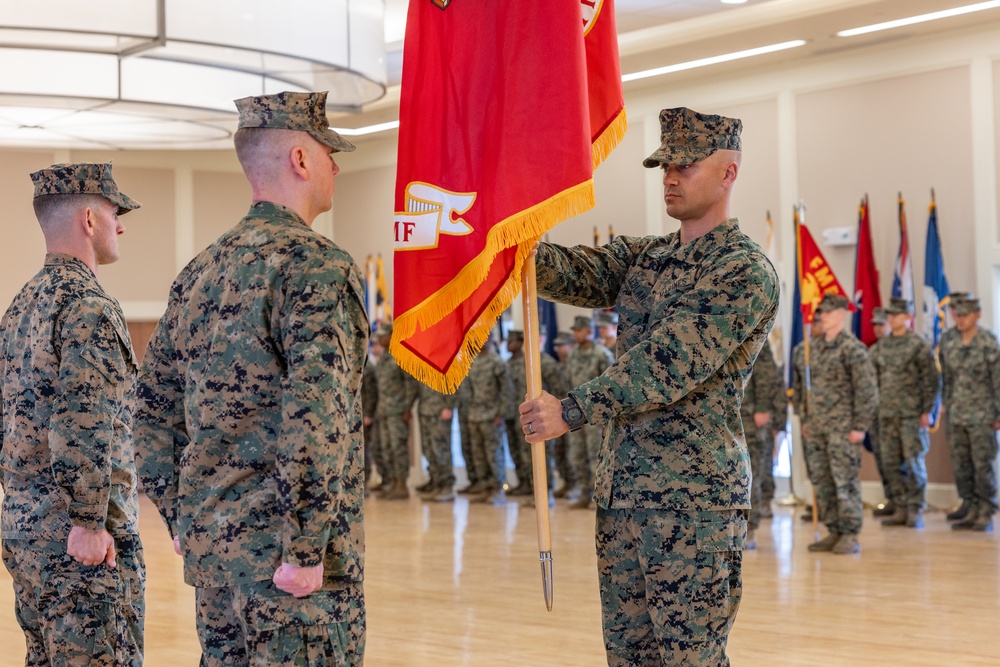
{"points": [[816, 277], [505, 110]]}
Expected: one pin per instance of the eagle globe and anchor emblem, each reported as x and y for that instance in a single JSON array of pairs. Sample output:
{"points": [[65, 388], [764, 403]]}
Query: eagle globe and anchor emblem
{"points": [[432, 210]]}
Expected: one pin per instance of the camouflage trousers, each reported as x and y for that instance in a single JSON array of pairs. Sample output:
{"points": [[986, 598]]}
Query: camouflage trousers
{"points": [[435, 437], [520, 452], [75, 615], [904, 445], [374, 458], [671, 583], [484, 440], [876, 443], [584, 448], [466, 436], [394, 438], [974, 460], [560, 452], [257, 625], [835, 469], [761, 446]]}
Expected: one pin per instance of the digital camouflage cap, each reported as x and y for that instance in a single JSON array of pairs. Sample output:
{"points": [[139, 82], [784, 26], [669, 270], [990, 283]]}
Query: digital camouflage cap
{"points": [[582, 322], [878, 316], [605, 318], [897, 306], [515, 334], [562, 338], [833, 302], [82, 178], [303, 112], [966, 306], [687, 136]]}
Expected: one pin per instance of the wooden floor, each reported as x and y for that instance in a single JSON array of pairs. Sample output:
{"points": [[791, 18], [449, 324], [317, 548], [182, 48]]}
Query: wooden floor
{"points": [[458, 585]]}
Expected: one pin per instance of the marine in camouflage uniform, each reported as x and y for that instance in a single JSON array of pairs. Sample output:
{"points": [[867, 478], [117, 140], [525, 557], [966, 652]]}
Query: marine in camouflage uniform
{"points": [[560, 450], [607, 329], [475, 484], [760, 411], [586, 362], [489, 391], [69, 522], [249, 428], [552, 382], [435, 411], [842, 404], [970, 369], [908, 384], [374, 461], [673, 479], [396, 390], [880, 325]]}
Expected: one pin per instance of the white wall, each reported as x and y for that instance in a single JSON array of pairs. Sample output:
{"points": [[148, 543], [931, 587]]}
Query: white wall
{"points": [[903, 116]]}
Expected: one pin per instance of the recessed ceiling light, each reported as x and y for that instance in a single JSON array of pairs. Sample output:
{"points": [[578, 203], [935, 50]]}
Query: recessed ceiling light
{"points": [[921, 18], [714, 60], [734, 2]]}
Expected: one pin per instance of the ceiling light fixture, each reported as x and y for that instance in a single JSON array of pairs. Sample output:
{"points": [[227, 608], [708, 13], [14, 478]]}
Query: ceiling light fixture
{"points": [[164, 73], [368, 129], [932, 16], [734, 2], [714, 60]]}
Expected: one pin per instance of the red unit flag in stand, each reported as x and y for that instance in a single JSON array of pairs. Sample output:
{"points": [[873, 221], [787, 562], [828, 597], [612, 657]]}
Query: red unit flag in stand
{"points": [[505, 109], [866, 292], [816, 277]]}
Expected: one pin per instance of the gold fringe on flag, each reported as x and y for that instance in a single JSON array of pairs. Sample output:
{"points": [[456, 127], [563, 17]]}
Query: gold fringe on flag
{"points": [[522, 230]]}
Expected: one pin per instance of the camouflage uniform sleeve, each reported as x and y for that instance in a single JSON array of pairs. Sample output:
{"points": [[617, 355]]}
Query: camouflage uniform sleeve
{"points": [[993, 362], [685, 348], [798, 383], [369, 391], [318, 318], [766, 372], [865, 385], [584, 276], [930, 378], [92, 372], [946, 378], [552, 378], [160, 429], [506, 385], [780, 406]]}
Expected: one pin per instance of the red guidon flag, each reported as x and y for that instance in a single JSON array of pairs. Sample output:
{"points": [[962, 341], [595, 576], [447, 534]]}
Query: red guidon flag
{"points": [[505, 109], [816, 277]]}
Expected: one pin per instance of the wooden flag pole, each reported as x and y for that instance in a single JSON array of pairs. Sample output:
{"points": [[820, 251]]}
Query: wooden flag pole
{"points": [[533, 371]]}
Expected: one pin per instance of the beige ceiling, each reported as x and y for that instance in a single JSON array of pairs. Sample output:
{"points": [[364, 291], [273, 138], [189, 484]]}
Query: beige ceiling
{"points": [[655, 33]]}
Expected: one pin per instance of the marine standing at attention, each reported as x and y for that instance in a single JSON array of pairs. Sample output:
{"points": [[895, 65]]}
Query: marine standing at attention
{"points": [[249, 427]]}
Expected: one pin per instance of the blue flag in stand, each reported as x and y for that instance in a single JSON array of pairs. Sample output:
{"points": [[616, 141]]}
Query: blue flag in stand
{"points": [[548, 325], [936, 291]]}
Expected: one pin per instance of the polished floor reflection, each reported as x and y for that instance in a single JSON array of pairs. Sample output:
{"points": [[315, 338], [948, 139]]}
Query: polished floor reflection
{"points": [[459, 585]]}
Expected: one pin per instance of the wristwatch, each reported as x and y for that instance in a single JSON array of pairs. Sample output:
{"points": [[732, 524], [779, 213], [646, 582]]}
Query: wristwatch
{"points": [[572, 414]]}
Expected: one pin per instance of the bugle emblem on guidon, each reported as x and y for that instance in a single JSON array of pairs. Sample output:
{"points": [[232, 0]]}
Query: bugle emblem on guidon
{"points": [[430, 212]]}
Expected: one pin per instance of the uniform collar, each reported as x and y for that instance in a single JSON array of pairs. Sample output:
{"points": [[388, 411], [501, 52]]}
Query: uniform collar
{"points": [[69, 261], [270, 210], [694, 251]]}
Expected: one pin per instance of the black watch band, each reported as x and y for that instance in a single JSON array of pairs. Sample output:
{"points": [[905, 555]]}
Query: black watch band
{"points": [[572, 414]]}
